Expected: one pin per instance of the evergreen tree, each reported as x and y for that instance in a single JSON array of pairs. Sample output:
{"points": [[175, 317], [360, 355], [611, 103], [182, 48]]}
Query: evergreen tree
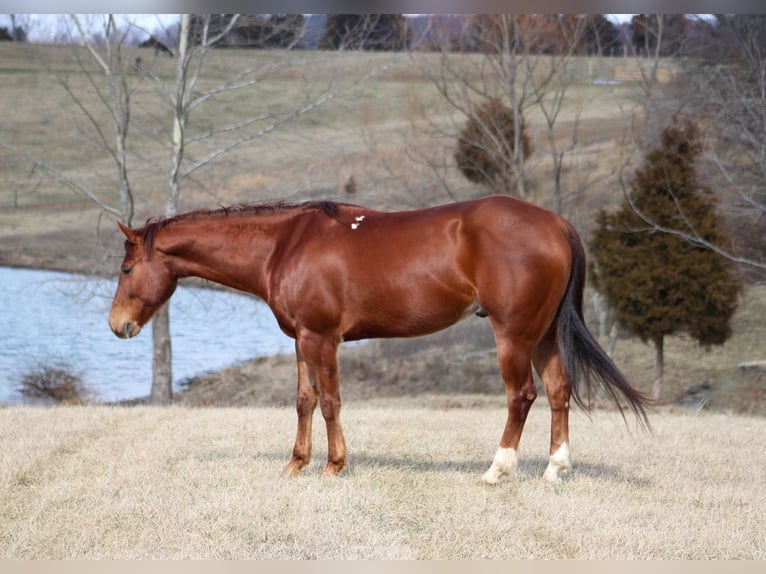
{"points": [[669, 30], [268, 31], [365, 32], [600, 37], [251, 31], [486, 148], [657, 283]]}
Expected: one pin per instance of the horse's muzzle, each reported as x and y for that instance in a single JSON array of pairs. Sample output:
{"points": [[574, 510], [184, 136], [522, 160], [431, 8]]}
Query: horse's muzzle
{"points": [[124, 329]]}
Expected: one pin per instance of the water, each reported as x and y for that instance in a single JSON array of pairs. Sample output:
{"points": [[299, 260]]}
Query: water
{"points": [[49, 317]]}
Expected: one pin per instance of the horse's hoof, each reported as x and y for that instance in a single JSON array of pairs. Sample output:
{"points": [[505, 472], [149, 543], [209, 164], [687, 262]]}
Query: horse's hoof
{"points": [[490, 478], [293, 468], [332, 470]]}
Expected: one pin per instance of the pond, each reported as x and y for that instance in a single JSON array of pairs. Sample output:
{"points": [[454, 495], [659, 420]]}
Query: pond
{"points": [[50, 317]]}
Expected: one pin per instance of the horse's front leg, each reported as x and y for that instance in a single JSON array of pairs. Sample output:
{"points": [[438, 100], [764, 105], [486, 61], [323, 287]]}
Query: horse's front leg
{"points": [[306, 402], [321, 356]]}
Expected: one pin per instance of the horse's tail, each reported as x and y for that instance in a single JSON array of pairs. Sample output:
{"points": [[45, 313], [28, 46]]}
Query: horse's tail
{"points": [[584, 359]]}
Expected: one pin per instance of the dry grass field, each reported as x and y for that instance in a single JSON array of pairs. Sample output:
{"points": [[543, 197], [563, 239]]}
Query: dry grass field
{"points": [[179, 482]]}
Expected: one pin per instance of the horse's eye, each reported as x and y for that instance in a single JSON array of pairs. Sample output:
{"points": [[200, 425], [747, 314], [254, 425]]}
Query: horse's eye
{"points": [[126, 270]]}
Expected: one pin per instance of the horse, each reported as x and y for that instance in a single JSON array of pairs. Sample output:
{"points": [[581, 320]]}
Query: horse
{"points": [[334, 272]]}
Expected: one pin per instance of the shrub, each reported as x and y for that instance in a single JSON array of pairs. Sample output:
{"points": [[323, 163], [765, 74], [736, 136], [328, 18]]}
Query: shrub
{"points": [[486, 146], [53, 382]]}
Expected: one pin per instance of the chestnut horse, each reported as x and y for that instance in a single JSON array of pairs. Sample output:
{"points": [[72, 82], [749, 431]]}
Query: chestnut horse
{"points": [[333, 272]]}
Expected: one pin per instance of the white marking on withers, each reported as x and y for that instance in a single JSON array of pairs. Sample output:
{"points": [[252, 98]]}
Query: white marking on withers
{"points": [[359, 219], [504, 463], [558, 462]]}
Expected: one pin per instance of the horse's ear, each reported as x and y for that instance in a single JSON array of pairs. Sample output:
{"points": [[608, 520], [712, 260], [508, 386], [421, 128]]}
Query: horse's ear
{"points": [[131, 235]]}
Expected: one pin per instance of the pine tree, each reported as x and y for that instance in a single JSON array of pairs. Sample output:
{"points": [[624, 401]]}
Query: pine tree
{"points": [[379, 32], [657, 283]]}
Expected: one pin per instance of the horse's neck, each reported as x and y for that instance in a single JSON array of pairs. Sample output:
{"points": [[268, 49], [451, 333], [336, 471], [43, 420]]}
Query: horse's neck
{"points": [[220, 251]]}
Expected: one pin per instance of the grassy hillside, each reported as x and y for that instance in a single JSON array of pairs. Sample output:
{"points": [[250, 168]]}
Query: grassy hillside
{"points": [[393, 133], [101, 482]]}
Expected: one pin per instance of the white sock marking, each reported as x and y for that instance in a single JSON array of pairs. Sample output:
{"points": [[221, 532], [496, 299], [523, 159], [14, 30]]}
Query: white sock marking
{"points": [[558, 462], [504, 463]]}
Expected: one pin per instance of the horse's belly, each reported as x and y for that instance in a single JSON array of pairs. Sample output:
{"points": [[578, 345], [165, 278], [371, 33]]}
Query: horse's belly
{"points": [[409, 319]]}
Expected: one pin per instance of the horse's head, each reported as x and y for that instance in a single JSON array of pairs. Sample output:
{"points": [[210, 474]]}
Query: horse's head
{"points": [[146, 283]]}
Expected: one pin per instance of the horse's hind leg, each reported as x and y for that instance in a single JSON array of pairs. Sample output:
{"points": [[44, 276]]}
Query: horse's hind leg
{"points": [[547, 361], [514, 360]]}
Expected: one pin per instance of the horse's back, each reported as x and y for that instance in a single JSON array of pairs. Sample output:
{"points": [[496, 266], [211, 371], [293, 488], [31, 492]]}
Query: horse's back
{"points": [[383, 274]]}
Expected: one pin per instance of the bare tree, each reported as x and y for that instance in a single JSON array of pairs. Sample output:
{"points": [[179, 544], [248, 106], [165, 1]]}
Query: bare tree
{"points": [[116, 99], [504, 41], [550, 91], [726, 91], [730, 95], [112, 96], [524, 61], [186, 98], [113, 73]]}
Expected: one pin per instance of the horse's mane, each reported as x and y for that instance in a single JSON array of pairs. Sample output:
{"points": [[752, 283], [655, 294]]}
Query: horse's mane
{"points": [[148, 233]]}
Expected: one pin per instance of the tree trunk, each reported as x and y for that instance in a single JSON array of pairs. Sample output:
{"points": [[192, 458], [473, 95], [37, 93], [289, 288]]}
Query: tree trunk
{"points": [[613, 334], [601, 314], [162, 364], [182, 95], [659, 367]]}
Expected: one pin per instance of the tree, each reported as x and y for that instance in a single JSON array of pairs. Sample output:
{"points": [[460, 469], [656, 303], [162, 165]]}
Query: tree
{"points": [[487, 144], [192, 146], [112, 96], [599, 38], [263, 31], [194, 150], [510, 69], [725, 87], [656, 283], [729, 91], [663, 34], [365, 32], [505, 42]]}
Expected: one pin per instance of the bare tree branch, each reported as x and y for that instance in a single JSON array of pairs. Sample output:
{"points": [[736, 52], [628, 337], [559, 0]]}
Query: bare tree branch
{"points": [[56, 174], [691, 234]]}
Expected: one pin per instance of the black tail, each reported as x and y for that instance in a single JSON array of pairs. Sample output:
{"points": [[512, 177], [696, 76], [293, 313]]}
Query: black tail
{"points": [[583, 357]]}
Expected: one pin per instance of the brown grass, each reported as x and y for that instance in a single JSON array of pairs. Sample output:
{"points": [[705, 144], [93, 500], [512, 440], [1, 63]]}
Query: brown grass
{"points": [[105, 482]]}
